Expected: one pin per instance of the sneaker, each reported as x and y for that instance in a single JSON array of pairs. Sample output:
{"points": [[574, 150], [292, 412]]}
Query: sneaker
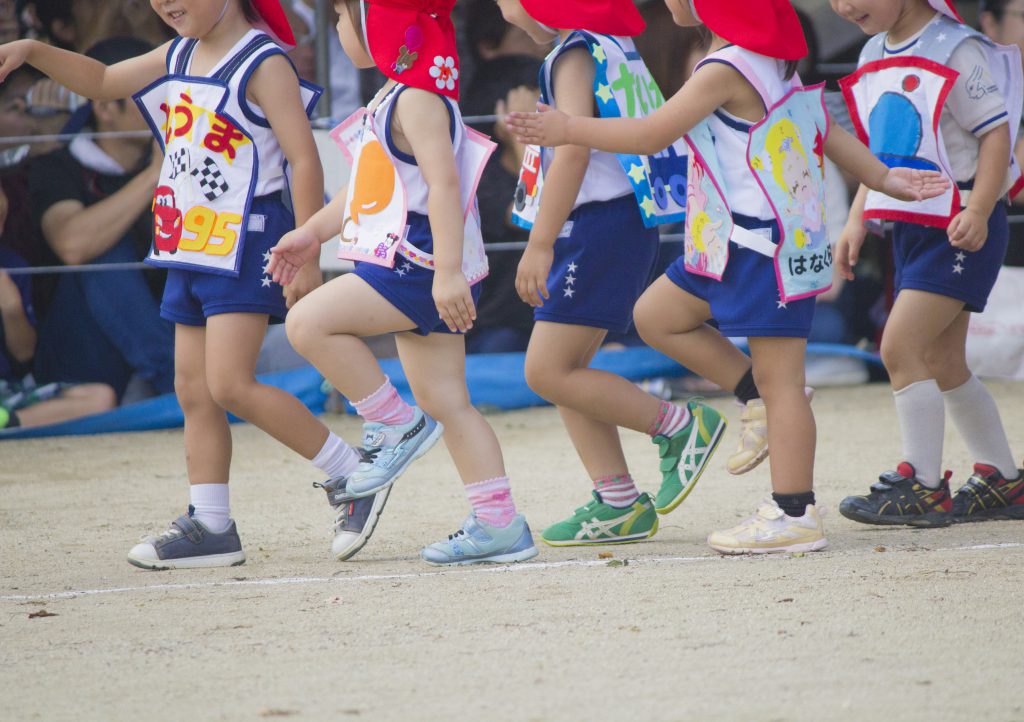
{"points": [[189, 544], [477, 542], [753, 444], [356, 518], [388, 451], [601, 523], [899, 498], [685, 454], [987, 495], [771, 530]]}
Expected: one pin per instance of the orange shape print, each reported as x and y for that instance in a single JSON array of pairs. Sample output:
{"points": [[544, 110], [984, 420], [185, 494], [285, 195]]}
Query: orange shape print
{"points": [[374, 182]]}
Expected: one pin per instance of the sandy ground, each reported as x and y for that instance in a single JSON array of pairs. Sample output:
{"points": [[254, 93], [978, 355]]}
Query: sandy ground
{"points": [[891, 624]]}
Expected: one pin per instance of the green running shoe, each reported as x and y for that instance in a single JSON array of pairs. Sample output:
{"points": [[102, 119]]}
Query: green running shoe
{"points": [[600, 523], [685, 454]]}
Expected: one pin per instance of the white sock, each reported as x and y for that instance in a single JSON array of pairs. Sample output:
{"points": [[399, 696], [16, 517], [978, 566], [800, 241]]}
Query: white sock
{"points": [[212, 506], [336, 458], [976, 417], [922, 425]]}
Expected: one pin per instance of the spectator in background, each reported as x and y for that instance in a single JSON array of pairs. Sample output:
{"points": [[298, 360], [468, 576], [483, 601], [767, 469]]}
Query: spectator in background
{"points": [[92, 202], [506, 63], [344, 77]]}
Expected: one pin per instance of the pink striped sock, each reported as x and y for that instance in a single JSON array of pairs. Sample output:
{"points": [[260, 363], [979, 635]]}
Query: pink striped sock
{"points": [[619, 491], [492, 501], [384, 406], [670, 419]]}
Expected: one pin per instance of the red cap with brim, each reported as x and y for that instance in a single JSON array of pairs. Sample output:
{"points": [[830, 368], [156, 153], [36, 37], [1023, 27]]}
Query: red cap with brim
{"points": [[947, 8], [413, 42], [275, 22], [608, 17], [768, 27]]}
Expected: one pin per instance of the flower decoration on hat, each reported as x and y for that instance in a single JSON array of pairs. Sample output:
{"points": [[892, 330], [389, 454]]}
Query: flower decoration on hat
{"points": [[444, 72], [413, 42]]}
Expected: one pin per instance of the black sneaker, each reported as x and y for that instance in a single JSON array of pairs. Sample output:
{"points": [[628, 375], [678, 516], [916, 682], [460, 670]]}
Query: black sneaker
{"points": [[356, 518], [987, 495], [899, 498]]}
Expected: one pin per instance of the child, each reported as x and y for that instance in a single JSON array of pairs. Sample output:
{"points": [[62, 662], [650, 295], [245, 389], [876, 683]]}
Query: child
{"points": [[761, 283], [960, 96], [219, 97], [592, 248], [408, 218]]}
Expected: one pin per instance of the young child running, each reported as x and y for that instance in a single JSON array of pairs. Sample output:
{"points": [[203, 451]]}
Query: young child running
{"points": [[231, 116], [408, 219], [755, 250], [590, 256], [960, 96]]}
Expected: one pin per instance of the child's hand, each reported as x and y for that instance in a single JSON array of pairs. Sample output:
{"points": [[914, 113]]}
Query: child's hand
{"points": [[294, 250], [547, 127], [10, 296], [532, 276], [848, 247], [308, 279], [454, 300], [907, 184], [968, 230], [12, 56]]}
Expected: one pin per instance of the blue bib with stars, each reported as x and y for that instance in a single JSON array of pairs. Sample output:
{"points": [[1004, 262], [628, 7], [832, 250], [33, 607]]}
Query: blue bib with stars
{"points": [[623, 88]]}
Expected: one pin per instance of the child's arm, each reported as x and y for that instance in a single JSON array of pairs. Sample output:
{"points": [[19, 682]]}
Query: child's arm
{"points": [[573, 81], [301, 246], [424, 121], [275, 89], [83, 75], [969, 228], [852, 238], [713, 85], [19, 335]]}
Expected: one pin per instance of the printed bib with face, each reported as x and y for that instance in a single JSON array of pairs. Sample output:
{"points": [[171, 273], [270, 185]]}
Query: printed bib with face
{"points": [[709, 224], [623, 88]]}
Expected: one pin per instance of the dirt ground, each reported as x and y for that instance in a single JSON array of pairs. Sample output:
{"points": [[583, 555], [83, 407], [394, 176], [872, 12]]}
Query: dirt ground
{"points": [[887, 624]]}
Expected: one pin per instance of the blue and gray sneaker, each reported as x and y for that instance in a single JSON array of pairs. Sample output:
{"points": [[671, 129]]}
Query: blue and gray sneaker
{"points": [[188, 544], [356, 518], [477, 543], [388, 451]]}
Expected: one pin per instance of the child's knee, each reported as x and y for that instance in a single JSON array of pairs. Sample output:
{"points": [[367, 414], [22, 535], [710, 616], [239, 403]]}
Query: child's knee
{"points": [[229, 391], [538, 376], [947, 363], [191, 391], [897, 355], [645, 318], [300, 327]]}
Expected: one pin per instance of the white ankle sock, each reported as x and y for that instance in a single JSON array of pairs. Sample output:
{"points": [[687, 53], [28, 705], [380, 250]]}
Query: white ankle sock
{"points": [[336, 458], [976, 417], [922, 425], [212, 506]]}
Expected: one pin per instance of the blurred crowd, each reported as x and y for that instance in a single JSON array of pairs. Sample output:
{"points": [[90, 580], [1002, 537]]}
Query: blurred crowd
{"points": [[80, 343]]}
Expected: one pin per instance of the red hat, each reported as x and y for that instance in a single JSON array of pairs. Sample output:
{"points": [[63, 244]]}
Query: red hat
{"points": [[608, 17], [274, 22], [946, 8], [768, 27], [413, 42]]}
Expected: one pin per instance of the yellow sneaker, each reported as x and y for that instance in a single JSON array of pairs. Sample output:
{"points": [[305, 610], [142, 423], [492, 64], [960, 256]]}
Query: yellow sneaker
{"points": [[753, 444], [770, 530]]}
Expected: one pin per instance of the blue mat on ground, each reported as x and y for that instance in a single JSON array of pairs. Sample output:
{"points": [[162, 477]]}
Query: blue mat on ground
{"points": [[495, 382]]}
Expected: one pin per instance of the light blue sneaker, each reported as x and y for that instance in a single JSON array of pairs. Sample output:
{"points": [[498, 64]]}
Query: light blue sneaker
{"points": [[388, 451], [477, 543]]}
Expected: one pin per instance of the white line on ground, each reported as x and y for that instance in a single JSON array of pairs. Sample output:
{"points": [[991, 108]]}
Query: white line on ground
{"points": [[535, 566]]}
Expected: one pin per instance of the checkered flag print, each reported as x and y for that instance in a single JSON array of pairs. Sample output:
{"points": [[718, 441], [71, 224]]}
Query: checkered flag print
{"points": [[211, 181], [179, 162]]}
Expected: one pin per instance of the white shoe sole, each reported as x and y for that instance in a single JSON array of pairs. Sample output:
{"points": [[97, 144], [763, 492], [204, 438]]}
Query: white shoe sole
{"points": [[813, 546], [426, 445], [359, 540], [521, 556], [232, 559]]}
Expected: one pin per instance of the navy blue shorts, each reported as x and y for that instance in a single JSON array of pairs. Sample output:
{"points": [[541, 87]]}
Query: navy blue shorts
{"points": [[603, 262], [190, 297], [409, 287], [926, 261], [746, 302]]}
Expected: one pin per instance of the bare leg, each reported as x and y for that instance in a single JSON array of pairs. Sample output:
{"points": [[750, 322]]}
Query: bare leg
{"points": [[779, 373], [207, 436], [72, 403], [918, 320], [947, 355]]}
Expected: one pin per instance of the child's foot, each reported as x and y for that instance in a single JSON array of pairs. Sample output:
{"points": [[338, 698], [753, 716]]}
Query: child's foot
{"points": [[685, 454], [601, 523], [987, 495], [771, 530], [899, 498], [388, 451], [356, 518], [189, 544], [753, 444], [477, 542]]}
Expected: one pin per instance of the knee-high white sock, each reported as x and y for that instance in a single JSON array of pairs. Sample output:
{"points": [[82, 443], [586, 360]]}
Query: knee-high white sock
{"points": [[922, 426], [976, 416], [212, 505], [336, 458]]}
